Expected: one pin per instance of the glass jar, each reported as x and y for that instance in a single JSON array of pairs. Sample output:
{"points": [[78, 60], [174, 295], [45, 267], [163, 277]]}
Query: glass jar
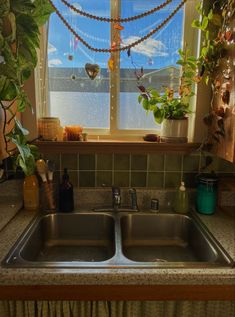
{"points": [[206, 193]]}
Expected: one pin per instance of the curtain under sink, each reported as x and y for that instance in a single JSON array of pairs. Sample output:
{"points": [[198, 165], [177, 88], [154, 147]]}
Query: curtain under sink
{"points": [[117, 308]]}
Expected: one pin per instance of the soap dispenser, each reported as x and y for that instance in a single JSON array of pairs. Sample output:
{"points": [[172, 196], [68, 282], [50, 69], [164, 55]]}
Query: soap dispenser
{"points": [[66, 201], [181, 203]]}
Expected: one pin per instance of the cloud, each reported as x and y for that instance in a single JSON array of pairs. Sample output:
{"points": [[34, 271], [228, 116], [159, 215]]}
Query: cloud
{"points": [[149, 47], [51, 48], [54, 62]]}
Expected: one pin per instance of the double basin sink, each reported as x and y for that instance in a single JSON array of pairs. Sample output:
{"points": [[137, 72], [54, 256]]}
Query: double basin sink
{"points": [[116, 240]]}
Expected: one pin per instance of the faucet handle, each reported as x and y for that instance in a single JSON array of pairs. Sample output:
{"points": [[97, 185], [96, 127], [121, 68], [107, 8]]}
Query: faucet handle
{"points": [[116, 196], [134, 205]]}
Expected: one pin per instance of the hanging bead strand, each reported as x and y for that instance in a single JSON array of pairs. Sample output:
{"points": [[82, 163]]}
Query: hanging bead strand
{"points": [[122, 48], [118, 20]]}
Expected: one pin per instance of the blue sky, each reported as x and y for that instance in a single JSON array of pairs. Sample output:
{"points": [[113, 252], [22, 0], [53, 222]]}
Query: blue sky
{"points": [[158, 51]]}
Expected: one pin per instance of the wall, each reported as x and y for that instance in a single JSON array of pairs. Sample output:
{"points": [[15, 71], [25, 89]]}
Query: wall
{"points": [[137, 170]]}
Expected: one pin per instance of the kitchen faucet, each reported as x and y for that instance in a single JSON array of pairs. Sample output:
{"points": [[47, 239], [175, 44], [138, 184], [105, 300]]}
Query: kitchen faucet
{"points": [[116, 201]]}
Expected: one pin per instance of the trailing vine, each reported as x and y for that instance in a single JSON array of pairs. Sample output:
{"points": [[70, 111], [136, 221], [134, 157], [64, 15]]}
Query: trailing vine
{"points": [[19, 39], [216, 64]]}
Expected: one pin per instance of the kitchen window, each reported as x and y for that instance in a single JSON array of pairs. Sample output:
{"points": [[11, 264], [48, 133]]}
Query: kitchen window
{"points": [[108, 104]]}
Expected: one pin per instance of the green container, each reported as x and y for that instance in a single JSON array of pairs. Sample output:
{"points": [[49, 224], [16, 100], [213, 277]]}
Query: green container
{"points": [[206, 194]]}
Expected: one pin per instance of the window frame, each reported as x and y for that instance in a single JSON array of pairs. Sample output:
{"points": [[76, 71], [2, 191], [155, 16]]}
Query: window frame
{"points": [[190, 36], [196, 130]]}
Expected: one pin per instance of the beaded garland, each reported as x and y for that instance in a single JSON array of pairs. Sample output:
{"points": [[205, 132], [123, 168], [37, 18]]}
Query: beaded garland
{"points": [[125, 47]]}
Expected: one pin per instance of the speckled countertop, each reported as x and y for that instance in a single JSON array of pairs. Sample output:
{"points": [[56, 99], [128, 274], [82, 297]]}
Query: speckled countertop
{"points": [[220, 225]]}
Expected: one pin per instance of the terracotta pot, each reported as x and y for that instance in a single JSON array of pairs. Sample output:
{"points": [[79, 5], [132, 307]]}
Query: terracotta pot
{"points": [[174, 130]]}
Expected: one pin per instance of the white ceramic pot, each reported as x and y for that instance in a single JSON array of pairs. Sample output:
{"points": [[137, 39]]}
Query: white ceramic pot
{"points": [[174, 130]]}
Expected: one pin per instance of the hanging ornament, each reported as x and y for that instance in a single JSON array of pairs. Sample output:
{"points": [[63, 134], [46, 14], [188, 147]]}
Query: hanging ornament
{"points": [[76, 42], [73, 77], [111, 64], [92, 70], [118, 26]]}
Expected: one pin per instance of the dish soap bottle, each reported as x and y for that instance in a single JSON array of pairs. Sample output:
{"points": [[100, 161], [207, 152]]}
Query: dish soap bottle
{"points": [[181, 200], [66, 202]]}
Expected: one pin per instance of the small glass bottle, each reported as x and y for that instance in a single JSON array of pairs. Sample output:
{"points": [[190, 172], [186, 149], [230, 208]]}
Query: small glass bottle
{"points": [[181, 203], [31, 193], [66, 201]]}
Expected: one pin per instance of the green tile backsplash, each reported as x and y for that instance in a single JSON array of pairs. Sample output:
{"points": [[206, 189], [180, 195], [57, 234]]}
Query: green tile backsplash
{"points": [[86, 162], [121, 162], [104, 161], [137, 170]]}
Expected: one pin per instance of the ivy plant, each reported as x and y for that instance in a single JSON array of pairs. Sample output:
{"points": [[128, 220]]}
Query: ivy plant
{"points": [[19, 40]]}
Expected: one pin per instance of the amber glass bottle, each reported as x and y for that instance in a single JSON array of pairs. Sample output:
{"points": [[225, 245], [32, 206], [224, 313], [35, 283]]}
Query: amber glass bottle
{"points": [[31, 193]]}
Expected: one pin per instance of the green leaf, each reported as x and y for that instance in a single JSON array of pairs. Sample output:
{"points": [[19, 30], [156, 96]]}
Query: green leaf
{"points": [[42, 11], [210, 15], [198, 7], [154, 93], [204, 23], [22, 6], [158, 115], [12, 21], [140, 98], [20, 128], [196, 24], [8, 89], [4, 7], [146, 104]]}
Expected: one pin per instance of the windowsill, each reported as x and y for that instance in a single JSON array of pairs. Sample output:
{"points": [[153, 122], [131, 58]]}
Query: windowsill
{"points": [[117, 146]]}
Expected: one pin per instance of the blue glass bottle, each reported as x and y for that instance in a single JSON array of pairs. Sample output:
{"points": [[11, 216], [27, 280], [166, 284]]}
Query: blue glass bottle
{"points": [[206, 194]]}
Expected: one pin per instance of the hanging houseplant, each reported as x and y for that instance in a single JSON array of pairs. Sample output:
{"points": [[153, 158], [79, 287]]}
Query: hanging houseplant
{"points": [[19, 40], [170, 108], [217, 67]]}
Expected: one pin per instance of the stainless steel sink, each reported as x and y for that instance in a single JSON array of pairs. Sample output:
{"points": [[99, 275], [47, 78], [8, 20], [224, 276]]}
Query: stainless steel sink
{"points": [[165, 238], [116, 240]]}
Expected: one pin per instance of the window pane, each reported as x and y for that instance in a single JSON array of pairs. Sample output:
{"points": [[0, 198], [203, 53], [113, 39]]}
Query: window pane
{"points": [[73, 96], [157, 55]]}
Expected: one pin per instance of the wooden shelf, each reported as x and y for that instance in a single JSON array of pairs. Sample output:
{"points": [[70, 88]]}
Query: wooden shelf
{"points": [[115, 146]]}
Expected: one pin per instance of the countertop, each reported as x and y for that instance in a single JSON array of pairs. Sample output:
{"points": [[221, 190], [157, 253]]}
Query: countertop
{"points": [[220, 225]]}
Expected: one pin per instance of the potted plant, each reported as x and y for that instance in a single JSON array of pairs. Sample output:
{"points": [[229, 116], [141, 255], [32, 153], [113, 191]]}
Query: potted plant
{"points": [[170, 108], [19, 40]]}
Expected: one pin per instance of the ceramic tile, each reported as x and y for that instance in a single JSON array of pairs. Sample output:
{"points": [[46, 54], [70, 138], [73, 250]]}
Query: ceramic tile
{"points": [[155, 179], [104, 179], [156, 162], [121, 161], [172, 180], [86, 179], [139, 162], [86, 162], [138, 179], [191, 163], [121, 179], [104, 161], [69, 161], [173, 162]]}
